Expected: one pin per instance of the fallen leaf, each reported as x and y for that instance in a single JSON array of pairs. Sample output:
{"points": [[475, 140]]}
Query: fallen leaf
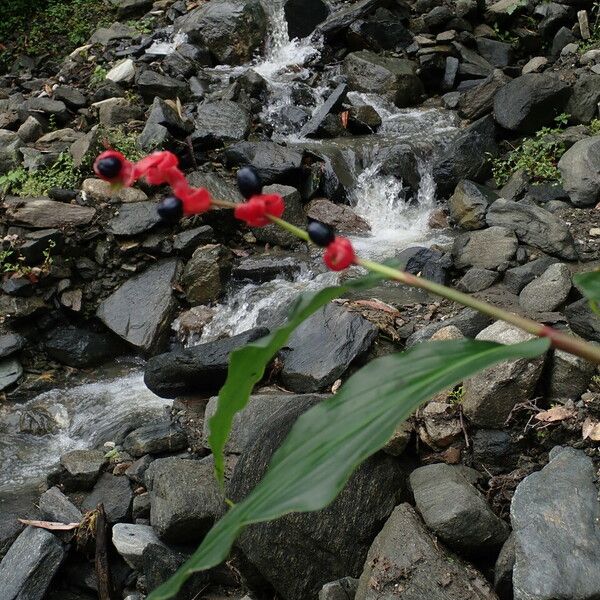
{"points": [[554, 414], [377, 305], [591, 430], [344, 118], [51, 525]]}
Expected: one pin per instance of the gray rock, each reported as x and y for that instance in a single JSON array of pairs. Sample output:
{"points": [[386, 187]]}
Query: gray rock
{"points": [[303, 16], [293, 213], [116, 111], [548, 291], [220, 122], [266, 267], [490, 395], [322, 348], [140, 310], [517, 278], [48, 107], [116, 496], [342, 589], [487, 249], [155, 438], [583, 105], [503, 569], [555, 514], [341, 218], [131, 541], [151, 84], [204, 276], [55, 506], [10, 157], [498, 54], [82, 467], [185, 499], [479, 100], [117, 31], [334, 102], [10, 372], [582, 320], [469, 203], [81, 348], [430, 263], [31, 130], [123, 71], [405, 556], [477, 280], [141, 507], [72, 97], [126, 8], [42, 213], [134, 218], [534, 226], [455, 510], [163, 113], [494, 451], [187, 241], [569, 376], [580, 170], [138, 468], [29, 566], [198, 370], [530, 101], [10, 343]]}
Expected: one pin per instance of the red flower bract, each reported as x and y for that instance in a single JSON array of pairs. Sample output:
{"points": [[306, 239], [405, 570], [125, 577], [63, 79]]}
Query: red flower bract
{"points": [[113, 167], [195, 200], [339, 255], [257, 210], [159, 168]]}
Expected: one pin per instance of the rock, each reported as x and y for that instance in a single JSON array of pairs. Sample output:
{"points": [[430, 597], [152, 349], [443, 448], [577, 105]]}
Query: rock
{"points": [[204, 275], [138, 469], [438, 423], [185, 499], [564, 43], [534, 226], [498, 54], [582, 320], [342, 589], [141, 507], [29, 566], [200, 369], [583, 104], [266, 267], [450, 73], [10, 157], [405, 556], [321, 349], [334, 102], [503, 569], [303, 16], [341, 218], [534, 65], [155, 438], [187, 241], [151, 84], [555, 514], [131, 7], [517, 278], [455, 510], [293, 213], [10, 343], [82, 467], [490, 395], [363, 119], [165, 115], [580, 170], [30, 130], [116, 495], [116, 111], [530, 101], [543, 193], [345, 15], [55, 506], [81, 348], [232, 29], [219, 123], [323, 545], [140, 310], [569, 376], [42, 213], [122, 72], [10, 372], [102, 191], [469, 203], [479, 100], [493, 451], [430, 263], [117, 31], [548, 291], [393, 78], [488, 249], [130, 542], [477, 280], [135, 218], [47, 107]]}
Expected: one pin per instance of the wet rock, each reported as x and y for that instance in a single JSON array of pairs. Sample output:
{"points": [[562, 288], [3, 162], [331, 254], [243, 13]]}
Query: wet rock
{"points": [[341, 218], [116, 496], [186, 499], [393, 78], [344, 15], [134, 218], [477, 280], [583, 104], [82, 468], [204, 275], [10, 372], [151, 84], [490, 395], [582, 320], [493, 451], [42, 213], [55, 506], [220, 122], [266, 267], [381, 30], [548, 291], [303, 16], [323, 545], [201, 369], [10, 343], [363, 119], [552, 521], [487, 249], [406, 556], [130, 542], [232, 29], [333, 103], [455, 510], [430, 263], [81, 348], [469, 203], [517, 278], [530, 101], [29, 566], [479, 100], [342, 589], [534, 226], [580, 170], [293, 213], [155, 438], [321, 349], [164, 114], [140, 310], [569, 376], [187, 241]]}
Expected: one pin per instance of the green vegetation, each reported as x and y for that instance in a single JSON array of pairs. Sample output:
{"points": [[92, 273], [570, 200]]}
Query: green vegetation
{"points": [[457, 395], [142, 26], [118, 138], [98, 76], [10, 263], [594, 127]]}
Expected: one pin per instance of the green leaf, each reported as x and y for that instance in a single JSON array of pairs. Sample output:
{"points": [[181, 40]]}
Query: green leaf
{"points": [[589, 285], [247, 365], [331, 439]]}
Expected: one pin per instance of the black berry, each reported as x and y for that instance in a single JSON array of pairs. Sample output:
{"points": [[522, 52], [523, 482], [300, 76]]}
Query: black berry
{"points": [[321, 234], [170, 209], [109, 167], [249, 182]]}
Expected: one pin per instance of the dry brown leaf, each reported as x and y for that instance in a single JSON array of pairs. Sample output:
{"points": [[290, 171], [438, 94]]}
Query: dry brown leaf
{"points": [[591, 430], [377, 305], [51, 525], [554, 414]]}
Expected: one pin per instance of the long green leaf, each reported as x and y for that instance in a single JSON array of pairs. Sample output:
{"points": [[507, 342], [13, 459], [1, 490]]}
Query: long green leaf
{"points": [[331, 439], [589, 285], [247, 365]]}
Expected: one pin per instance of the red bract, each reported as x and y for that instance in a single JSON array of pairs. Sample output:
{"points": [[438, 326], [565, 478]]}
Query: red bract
{"points": [[257, 210], [195, 200], [159, 168], [113, 167], [339, 255]]}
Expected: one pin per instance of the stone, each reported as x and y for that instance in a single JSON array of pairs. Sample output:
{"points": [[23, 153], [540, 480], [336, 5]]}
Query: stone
{"points": [[393, 78], [138, 468], [116, 111], [530, 101], [469, 203], [47, 107], [131, 540], [333, 103], [517, 278], [140, 310], [450, 73], [488, 248], [81, 348], [155, 438], [503, 569], [10, 372], [72, 97], [303, 16], [321, 349], [494, 451], [164, 114], [582, 320], [232, 29], [430, 263], [479, 100], [135, 218], [116, 496], [455, 510], [186, 499], [127, 8], [220, 123], [341, 218], [534, 65], [55, 506], [438, 423], [42, 213], [583, 104], [151, 84], [555, 514], [406, 557], [580, 171], [323, 545], [82, 467], [477, 280], [564, 43], [30, 130], [498, 54], [141, 506], [489, 396], [30, 564], [10, 343], [363, 119], [187, 241], [293, 213], [534, 226], [102, 191], [267, 267], [341, 589], [569, 376], [204, 275], [85, 148], [200, 369], [549, 291], [122, 72]]}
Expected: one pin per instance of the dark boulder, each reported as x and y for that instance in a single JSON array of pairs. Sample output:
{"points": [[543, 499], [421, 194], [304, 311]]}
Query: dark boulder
{"points": [[82, 348], [303, 16]]}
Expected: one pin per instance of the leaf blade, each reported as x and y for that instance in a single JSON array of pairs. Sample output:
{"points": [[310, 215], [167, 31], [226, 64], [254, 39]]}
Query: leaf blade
{"points": [[589, 285]]}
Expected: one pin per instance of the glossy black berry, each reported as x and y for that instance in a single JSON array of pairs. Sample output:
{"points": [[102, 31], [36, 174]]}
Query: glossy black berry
{"points": [[249, 182], [170, 209], [109, 167], [320, 234]]}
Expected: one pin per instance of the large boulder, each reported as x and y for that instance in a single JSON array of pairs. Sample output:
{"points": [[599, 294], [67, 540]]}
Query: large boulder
{"points": [[580, 170], [82, 348], [231, 29], [303, 16], [140, 310], [583, 105], [549, 291], [220, 122], [530, 101], [42, 213], [469, 203], [10, 157], [479, 100], [489, 248]]}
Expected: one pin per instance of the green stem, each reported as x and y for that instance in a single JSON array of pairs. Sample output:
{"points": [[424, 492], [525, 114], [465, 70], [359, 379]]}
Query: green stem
{"points": [[297, 231]]}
